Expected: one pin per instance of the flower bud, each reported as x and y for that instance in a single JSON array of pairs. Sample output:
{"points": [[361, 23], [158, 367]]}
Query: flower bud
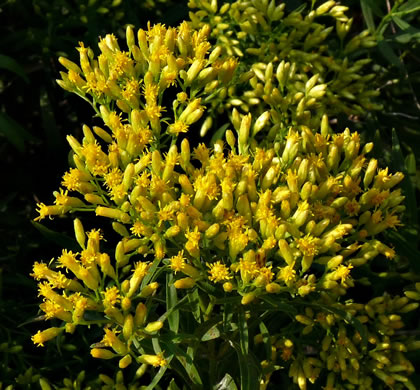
{"points": [[153, 326], [184, 283], [101, 353], [125, 361]]}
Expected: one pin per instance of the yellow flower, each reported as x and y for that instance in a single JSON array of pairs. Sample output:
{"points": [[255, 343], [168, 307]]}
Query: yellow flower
{"points": [[352, 207], [111, 296], [41, 337], [193, 238], [178, 127], [392, 220], [287, 273], [139, 229], [111, 340], [154, 360], [308, 245], [248, 269], [218, 272], [342, 272], [177, 262], [113, 178], [154, 111]]}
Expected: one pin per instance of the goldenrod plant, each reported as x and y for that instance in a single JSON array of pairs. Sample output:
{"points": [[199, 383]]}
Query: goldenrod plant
{"points": [[236, 262], [289, 58]]}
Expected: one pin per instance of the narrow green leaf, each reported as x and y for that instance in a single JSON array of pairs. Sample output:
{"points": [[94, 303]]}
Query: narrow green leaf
{"points": [[194, 299], [204, 328], [171, 301], [14, 132], [150, 273], [173, 385], [12, 65], [368, 15], [406, 185], [408, 7], [410, 165], [266, 339], [397, 156], [388, 53], [211, 334], [219, 133], [190, 367], [248, 368], [52, 134], [60, 239], [227, 383], [157, 378], [279, 306], [402, 24], [243, 332], [185, 358], [407, 246]]}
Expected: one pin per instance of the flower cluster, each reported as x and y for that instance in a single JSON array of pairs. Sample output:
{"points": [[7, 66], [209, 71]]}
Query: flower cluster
{"points": [[289, 57], [280, 224]]}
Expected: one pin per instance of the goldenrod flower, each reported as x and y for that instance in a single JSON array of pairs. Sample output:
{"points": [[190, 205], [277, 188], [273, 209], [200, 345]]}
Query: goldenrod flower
{"points": [[218, 272], [287, 273], [111, 296], [41, 337], [154, 360]]}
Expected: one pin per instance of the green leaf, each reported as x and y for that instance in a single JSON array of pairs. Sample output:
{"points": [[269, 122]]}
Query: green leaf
{"points": [[410, 165], [11, 65], [157, 378], [150, 273], [52, 134], [171, 301], [266, 339], [194, 299], [397, 156], [406, 245], [279, 306], [248, 368], [206, 327], [185, 358], [173, 385], [14, 132], [243, 332], [368, 15], [60, 239], [406, 185], [227, 383], [402, 24], [219, 133], [408, 32], [211, 334], [408, 7], [409, 185], [388, 53], [190, 367]]}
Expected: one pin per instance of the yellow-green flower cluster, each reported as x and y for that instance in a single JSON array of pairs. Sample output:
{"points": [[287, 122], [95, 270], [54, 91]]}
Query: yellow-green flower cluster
{"points": [[350, 355], [289, 58], [286, 220]]}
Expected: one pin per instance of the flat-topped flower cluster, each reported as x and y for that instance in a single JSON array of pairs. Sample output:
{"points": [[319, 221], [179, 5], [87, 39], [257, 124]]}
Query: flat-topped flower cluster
{"points": [[280, 225]]}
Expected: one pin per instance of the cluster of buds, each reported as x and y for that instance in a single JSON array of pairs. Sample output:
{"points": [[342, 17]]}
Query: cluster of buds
{"points": [[350, 355], [287, 220], [302, 49]]}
